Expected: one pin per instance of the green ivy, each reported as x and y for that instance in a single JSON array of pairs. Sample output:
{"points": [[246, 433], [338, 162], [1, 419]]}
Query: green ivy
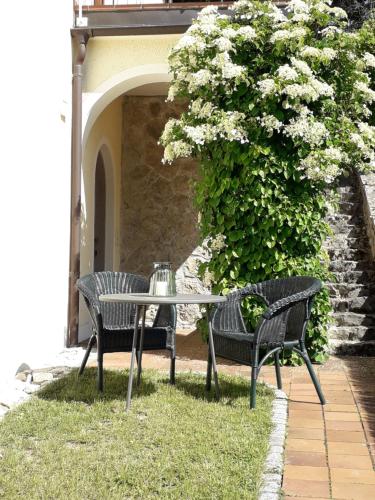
{"points": [[266, 189]]}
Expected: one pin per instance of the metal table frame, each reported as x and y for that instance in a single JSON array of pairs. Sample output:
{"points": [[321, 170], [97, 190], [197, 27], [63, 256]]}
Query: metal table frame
{"points": [[141, 301]]}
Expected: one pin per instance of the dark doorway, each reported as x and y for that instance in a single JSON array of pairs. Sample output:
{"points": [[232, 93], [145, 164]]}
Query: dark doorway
{"points": [[100, 215]]}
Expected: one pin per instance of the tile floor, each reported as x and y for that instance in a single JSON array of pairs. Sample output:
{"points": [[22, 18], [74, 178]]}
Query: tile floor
{"points": [[330, 450]]}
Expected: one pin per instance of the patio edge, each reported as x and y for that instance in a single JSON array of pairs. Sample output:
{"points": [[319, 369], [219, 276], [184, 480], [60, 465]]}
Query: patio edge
{"points": [[274, 465]]}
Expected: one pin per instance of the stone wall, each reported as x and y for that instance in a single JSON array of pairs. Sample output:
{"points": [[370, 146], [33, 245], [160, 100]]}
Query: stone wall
{"points": [[367, 186], [158, 218]]}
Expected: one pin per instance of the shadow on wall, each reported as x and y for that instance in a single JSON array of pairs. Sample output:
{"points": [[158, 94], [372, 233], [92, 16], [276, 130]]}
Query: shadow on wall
{"points": [[158, 217], [362, 373]]}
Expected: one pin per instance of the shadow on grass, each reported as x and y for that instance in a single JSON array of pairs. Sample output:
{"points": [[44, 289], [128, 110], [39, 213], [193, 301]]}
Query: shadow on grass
{"points": [[231, 388], [84, 388]]}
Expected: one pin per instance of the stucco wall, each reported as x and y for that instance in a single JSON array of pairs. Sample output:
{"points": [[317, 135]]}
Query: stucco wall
{"points": [[158, 218], [105, 136], [35, 180], [109, 56]]}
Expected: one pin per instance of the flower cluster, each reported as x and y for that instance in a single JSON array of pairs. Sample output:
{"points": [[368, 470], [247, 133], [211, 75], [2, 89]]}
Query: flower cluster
{"points": [[215, 59]]}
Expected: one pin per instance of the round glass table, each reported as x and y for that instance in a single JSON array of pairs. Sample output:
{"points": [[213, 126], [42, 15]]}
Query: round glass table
{"points": [[141, 301]]}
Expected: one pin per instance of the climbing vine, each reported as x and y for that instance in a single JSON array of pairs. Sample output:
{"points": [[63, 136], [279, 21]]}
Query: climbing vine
{"points": [[280, 105]]}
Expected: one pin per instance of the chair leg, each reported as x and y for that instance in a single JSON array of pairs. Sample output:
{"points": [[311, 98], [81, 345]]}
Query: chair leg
{"points": [[209, 371], [277, 369], [100, 371], [172, 371], [305, 357], [87, 353], [141, 341], [254, 376]]}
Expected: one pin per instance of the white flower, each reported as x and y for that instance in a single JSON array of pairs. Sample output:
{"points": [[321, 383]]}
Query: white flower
{"points": [[247, 32], [311, 52], [331, 31], [189, 41], [367, 93], [323, 165], [335, 154], [358, 141], [229, 33], [277, 16], [310, 91], [300, 17], [208, 278], [230, 126], [201, 109], [367, 131], [218, 242], [281, 35], [267, 87], [208, 11], [223, 44], [307, 130], [176, 149], [199, 79], [229, 70], [169, 130], [325, 55], [270, 123], [301, 66], [172, 92], [200, 134], [298, 6], [369, 60], [339, 13], [329, 53], [286, 72], [322, 88]]}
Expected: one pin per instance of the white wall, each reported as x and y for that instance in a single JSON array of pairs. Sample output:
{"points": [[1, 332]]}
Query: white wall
{"points": [[35, 179]]}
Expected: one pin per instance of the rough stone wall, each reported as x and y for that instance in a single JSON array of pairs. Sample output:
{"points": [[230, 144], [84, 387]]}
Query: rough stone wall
{"points": [[158, 218], [367, 186]]}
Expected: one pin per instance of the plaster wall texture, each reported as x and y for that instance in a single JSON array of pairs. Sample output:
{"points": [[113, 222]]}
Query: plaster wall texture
{"points": [[104, 137], [35, 185], [158, 217], [108, 56]]}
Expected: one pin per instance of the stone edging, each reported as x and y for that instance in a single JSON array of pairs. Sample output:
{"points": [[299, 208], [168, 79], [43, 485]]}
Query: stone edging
{"points": [[273, 473]]}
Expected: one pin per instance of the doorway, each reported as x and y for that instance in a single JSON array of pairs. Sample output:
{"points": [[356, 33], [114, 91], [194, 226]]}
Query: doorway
{"points": [[100, 216]]}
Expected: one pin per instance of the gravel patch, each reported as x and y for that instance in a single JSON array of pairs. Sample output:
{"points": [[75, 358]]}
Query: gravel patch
{"points": [[27, 380]]}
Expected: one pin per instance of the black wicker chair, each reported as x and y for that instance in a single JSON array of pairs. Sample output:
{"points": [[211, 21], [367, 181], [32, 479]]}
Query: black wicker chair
{"points": [[113, 323], [282, 326]]}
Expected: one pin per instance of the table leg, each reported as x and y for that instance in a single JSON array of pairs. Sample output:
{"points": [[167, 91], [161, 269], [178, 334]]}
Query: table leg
{"points": [[134, 353], [212, 352], [141, 341]]}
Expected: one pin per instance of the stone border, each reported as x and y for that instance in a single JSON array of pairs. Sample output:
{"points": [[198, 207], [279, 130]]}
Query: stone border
{"points": [[274, 466]]}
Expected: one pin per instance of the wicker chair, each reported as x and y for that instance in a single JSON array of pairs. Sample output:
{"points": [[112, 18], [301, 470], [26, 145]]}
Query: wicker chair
{"points": [[282, 326], [113, 323]]}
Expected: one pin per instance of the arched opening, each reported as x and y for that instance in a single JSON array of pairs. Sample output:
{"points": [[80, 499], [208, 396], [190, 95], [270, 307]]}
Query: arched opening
{"points": [[100, 216]]}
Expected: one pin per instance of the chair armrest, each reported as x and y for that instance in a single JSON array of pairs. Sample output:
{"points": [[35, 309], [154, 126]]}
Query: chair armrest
{"points": [[287, 302], [90, 297]]}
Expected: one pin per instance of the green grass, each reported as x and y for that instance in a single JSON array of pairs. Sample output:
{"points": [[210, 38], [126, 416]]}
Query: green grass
{"points": [[176, 442]]}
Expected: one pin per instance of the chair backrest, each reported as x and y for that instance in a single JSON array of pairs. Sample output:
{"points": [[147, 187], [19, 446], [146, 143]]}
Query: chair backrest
{"points": [[115, 316], [297, 316]]}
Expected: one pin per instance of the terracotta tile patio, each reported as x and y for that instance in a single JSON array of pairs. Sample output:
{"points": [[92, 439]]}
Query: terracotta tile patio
{"points": [[330, 451]]}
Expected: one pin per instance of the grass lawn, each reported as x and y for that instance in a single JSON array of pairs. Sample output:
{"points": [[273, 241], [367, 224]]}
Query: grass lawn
{"points": [[176, 442]]}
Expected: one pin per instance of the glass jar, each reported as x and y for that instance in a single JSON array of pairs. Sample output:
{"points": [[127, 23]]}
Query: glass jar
{"points": [[162, 280]]}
